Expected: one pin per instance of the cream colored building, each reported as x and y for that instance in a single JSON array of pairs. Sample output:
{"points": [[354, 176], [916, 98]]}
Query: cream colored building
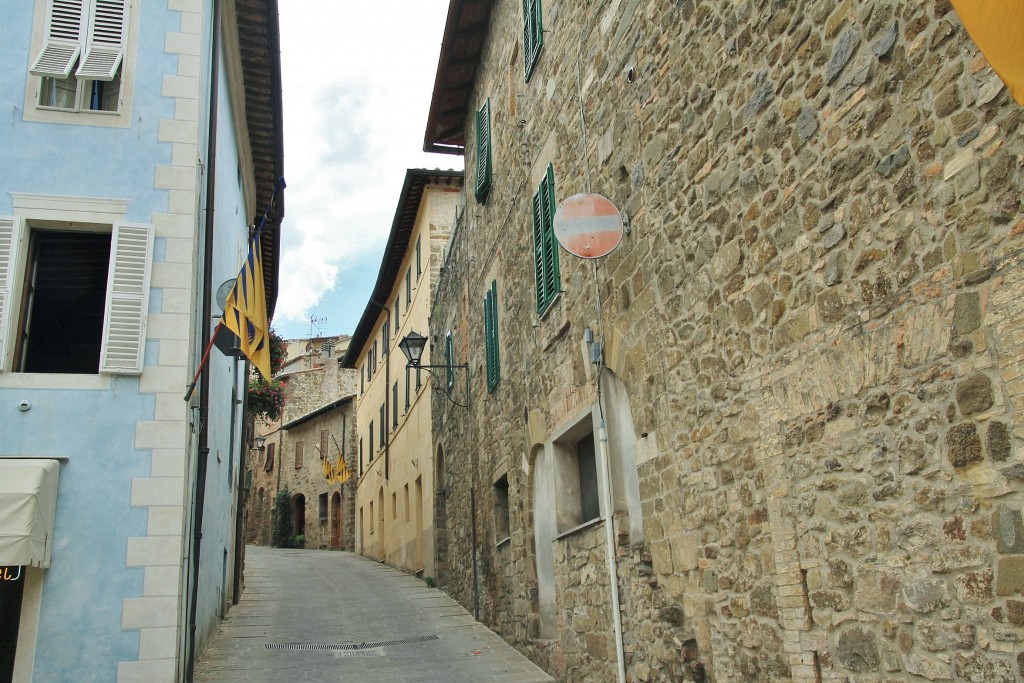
{"points": [[395, 492]]}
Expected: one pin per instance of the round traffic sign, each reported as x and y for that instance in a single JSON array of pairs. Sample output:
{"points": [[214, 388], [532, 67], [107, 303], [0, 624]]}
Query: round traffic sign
{"points": [[588, 225]]}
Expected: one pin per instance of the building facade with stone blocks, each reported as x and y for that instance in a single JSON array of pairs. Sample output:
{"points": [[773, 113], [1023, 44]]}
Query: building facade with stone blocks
{"points": [[395, 520], [317, 426], [807, 391], [142, 140]]}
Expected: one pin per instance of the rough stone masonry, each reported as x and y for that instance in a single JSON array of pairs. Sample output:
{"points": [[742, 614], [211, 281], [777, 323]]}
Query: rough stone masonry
{"points": [[817, 315]]}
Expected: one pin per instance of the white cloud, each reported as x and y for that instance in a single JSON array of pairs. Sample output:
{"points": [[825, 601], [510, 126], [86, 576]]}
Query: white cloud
{"points": [[357, 80]]}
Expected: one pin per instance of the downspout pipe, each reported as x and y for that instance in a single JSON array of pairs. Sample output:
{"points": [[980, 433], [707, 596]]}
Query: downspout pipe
{"points": [[243, 456], [204, 324], [609, 540]]}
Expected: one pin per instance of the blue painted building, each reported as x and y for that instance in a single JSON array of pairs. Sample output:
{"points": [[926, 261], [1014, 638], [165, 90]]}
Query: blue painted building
{"points": [[141, 142]]}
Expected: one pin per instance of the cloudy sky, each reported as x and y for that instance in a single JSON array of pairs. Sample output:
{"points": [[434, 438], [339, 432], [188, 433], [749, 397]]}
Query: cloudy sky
{"points": [[357, 83]]}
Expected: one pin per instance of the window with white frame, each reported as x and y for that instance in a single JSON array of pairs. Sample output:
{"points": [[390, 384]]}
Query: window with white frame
{"points": [[73, 297], [80, 62]]}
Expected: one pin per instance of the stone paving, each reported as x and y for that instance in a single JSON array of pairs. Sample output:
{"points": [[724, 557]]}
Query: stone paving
{"points": [[311, 615]]}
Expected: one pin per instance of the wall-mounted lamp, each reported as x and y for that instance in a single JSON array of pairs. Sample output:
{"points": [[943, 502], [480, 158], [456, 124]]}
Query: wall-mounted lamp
{"points": [[258, 441], [412, 346]]}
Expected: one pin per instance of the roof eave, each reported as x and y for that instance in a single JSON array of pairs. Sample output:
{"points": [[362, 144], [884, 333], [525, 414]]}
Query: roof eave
{"points": [[416, 179]]}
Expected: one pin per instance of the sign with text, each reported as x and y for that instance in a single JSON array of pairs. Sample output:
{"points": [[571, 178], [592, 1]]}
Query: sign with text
{"points": [[10, 573]]}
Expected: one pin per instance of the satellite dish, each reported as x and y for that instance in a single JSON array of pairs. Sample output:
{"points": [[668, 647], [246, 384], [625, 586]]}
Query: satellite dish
{"points": [[588, 225], [223, 292]]}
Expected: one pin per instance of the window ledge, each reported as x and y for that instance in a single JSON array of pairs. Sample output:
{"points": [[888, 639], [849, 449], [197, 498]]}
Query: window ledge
{"points": [[576, 529], [30, 380], [551, 305], [504, 543]]}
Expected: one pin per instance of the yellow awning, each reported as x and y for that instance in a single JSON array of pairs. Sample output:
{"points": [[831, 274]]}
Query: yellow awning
{"points": [[28, 506], [997, 27]]}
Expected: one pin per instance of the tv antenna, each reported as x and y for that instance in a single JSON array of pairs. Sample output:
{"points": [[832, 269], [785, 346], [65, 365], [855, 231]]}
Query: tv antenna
{"points": [[316, 326]]}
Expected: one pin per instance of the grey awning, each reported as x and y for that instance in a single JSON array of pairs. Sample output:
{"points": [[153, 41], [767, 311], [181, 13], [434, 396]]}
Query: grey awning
{"points": [[28, 506]]}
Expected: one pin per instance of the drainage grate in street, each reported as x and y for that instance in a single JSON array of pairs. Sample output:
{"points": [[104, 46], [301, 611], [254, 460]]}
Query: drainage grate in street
{"points": [[348, 646]]}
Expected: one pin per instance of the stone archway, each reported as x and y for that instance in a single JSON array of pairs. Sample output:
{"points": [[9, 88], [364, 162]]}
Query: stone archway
{"points": [[299, 514]]}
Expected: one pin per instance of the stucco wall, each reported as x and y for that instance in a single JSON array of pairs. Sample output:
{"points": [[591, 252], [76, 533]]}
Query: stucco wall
{"points": [[127, 488], [399, 477]]}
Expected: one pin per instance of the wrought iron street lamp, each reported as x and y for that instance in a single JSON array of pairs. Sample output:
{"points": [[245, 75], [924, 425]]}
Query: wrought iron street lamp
{"points": [[412, 346]]}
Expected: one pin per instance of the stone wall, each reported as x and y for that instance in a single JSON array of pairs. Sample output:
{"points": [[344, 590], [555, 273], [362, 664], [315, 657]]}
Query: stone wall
{"points": [[816, 314], [307, 392]]}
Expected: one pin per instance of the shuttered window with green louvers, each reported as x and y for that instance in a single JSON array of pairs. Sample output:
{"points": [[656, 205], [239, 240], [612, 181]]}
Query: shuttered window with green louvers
{"points": [[491, 336], [533, 35], [483, 151], [545, 248]]}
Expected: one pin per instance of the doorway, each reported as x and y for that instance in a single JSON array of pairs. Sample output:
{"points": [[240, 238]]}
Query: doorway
{"points": [[336, 520], [299, 518], [12, 586]]}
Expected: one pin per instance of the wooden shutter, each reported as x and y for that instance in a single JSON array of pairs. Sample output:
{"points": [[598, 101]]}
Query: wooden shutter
{"points": [[124, 320], [10, 236], [538, 247], [383, 427], [105, 41], [269, 466], [533, 35], [545, 248], [483, 151], [551, 245], [64, 29], [491, 336], [408, 382]]}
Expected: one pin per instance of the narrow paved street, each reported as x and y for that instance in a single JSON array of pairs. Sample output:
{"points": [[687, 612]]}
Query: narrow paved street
{"points": [[311, 615]]}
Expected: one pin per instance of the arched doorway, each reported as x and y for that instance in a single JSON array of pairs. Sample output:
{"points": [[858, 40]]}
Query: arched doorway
{"points": [[336, 520], [299, 516]]}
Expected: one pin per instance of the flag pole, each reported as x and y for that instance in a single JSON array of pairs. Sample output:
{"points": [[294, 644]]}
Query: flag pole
{"points": [[202, 364], [279, 185]]}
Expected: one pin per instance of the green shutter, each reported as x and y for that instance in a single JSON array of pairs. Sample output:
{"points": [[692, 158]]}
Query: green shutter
{"points": [[551, 245], [491, 336], [545, 247], [483, 152], [533, 35], [538, 248]]}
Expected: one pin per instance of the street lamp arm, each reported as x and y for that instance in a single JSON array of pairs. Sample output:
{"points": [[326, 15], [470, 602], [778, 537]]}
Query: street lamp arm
{"points": [[431, 368]]}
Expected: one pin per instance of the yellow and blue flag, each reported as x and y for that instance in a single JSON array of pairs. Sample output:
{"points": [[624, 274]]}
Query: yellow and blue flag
{"points": [[245, 312]]}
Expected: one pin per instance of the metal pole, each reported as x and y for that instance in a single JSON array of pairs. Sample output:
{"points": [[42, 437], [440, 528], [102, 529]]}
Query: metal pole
{"points": [[609, 539]]}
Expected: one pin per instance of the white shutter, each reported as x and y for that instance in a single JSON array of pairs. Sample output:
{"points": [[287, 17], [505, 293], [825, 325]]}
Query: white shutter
{"points": [[10, 235], [104, 48], [63, 39], [124, 321]]}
